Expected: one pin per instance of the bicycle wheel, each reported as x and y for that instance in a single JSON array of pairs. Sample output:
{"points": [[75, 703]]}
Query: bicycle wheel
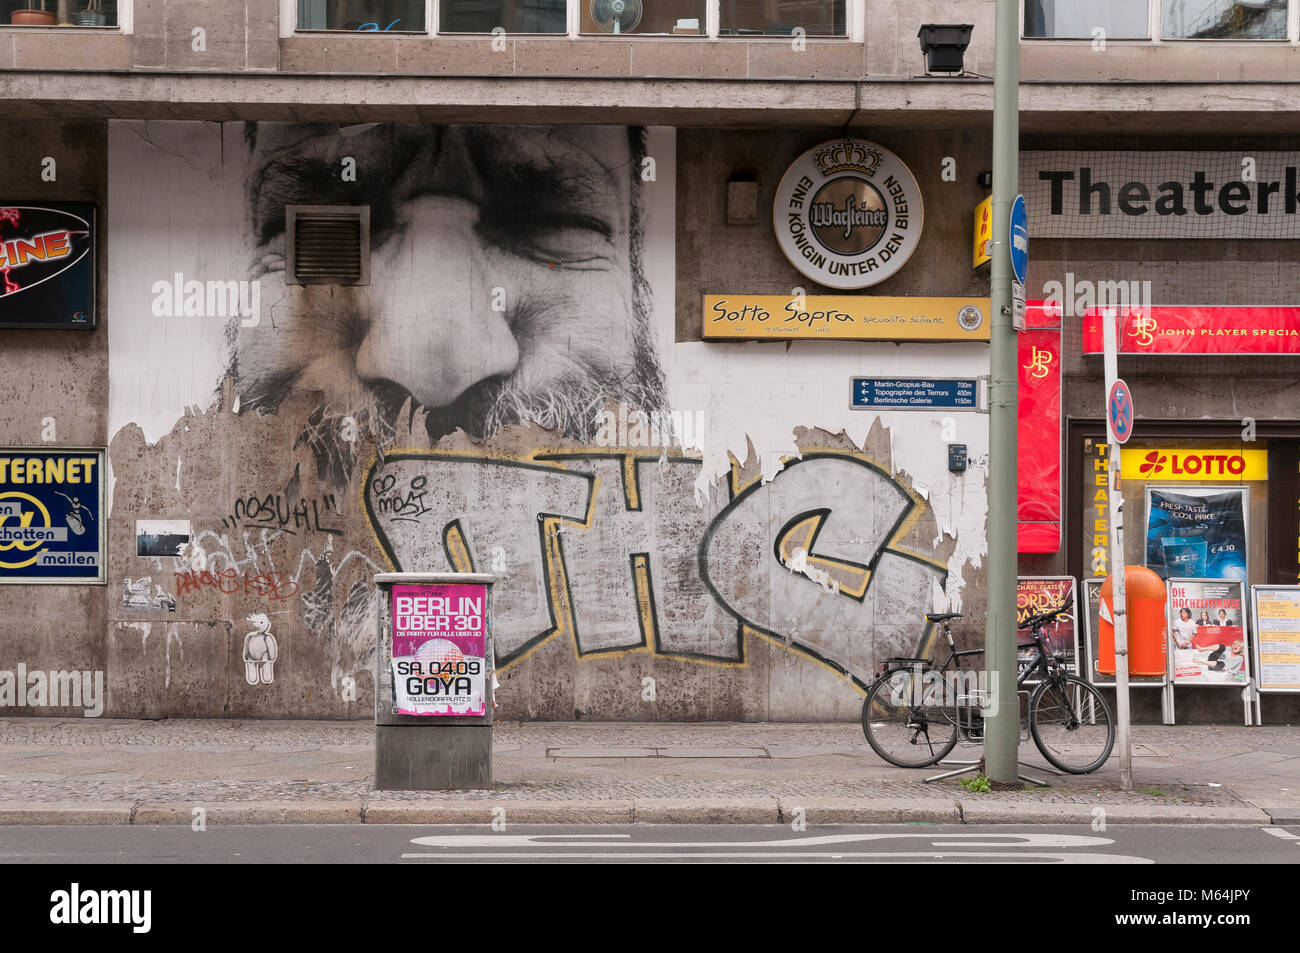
{"points": [[1071, 724], [905, 719]]}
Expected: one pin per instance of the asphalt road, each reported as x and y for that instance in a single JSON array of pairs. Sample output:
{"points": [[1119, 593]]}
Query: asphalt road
{"points": [[422, 844]]}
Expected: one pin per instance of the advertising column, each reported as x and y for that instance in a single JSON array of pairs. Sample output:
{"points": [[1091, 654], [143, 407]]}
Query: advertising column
{"points": [[433, 682]]}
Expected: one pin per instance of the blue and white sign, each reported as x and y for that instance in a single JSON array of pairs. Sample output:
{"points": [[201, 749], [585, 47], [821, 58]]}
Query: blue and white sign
{"points": [[1019, 239], [914, 393], [1120, 414], [52, 515]]}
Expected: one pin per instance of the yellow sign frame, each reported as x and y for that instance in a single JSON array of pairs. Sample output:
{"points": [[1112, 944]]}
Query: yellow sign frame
{"points": [[1195, 465], [983, 232], [845, 318]]}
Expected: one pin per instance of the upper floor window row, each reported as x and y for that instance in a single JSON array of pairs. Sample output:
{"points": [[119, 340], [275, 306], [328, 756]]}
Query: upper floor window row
{"points": [[631, 17], [64, 13], [1162, 19]]}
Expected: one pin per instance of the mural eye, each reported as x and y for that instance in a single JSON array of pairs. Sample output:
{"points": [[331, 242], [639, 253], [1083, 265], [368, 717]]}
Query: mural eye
{"points": [[561, 239]]}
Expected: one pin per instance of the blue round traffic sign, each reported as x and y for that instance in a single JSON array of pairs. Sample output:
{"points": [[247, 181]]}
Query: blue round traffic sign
{"points": [[1019, 239], [1120, 414]]}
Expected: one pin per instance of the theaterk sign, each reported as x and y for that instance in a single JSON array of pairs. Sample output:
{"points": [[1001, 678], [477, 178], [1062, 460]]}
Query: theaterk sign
{"points": [[848, 214]]}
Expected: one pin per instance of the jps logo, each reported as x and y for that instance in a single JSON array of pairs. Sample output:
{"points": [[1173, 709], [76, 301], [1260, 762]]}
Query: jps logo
{"points": [[1040, 362], [1143, 329]]}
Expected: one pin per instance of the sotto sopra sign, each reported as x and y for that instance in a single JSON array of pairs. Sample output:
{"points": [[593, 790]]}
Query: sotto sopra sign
{"points": [[848, 214]]}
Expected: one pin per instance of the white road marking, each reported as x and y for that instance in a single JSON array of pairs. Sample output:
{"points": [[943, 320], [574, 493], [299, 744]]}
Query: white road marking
{"points": [[623, 840], [1279, 832], [741, 857]]}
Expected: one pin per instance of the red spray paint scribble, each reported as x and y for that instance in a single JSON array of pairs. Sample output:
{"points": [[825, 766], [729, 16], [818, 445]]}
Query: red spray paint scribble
{"points": [[269, 585], [9, 215]]}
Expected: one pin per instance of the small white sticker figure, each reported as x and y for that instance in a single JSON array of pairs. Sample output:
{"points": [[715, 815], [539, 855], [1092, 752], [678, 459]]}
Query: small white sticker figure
{"points": [[260, 651]]}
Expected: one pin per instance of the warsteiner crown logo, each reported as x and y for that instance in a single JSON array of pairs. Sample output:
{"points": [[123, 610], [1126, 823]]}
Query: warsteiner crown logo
{"points": [[848, 214], [848, 156]]}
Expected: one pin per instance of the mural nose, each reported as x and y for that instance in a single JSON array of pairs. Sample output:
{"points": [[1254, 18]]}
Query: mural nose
{"points": [[435, 330]]}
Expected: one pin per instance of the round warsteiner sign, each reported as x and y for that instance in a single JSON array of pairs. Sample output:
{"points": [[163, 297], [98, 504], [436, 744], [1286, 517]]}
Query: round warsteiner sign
{"points": [[848, 214]]}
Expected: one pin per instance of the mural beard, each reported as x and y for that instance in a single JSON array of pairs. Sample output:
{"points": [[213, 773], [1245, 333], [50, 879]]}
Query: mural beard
{"points": [[548, 222]]}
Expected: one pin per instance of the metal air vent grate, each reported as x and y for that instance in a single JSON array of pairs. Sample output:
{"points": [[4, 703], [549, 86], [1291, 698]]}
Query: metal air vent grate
{"points": [[328, 244]]}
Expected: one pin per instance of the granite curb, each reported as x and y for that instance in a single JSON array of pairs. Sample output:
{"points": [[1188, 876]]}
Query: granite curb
{"points": [[815, 810]]}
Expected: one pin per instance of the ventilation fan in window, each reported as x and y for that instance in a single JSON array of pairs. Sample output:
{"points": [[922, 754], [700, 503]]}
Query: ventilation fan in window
{"points": [[616, 16]]}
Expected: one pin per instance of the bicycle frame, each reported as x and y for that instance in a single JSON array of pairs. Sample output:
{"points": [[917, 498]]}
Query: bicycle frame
{"points": [[967, 713]]}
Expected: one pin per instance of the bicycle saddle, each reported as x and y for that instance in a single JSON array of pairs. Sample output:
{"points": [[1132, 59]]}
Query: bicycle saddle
{"points": [[942, 616]]}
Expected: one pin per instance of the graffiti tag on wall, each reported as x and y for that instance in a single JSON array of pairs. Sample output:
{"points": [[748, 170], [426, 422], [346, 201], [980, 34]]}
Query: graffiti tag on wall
{"points": [[612, 550]]}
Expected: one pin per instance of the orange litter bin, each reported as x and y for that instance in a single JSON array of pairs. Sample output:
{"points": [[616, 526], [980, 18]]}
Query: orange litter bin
{"points": [[1144, 593]]}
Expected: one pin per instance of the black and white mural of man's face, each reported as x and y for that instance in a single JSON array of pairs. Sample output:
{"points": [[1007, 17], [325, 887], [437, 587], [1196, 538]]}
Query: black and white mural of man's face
{"points": [[506, 277]]}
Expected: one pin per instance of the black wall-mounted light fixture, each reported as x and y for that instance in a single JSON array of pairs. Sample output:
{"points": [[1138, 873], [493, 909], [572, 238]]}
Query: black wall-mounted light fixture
{"points": [[944, 45]]}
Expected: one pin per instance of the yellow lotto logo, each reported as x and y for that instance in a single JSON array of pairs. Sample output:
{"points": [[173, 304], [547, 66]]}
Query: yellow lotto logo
{"points": [[1232, 466], [21, 537]]}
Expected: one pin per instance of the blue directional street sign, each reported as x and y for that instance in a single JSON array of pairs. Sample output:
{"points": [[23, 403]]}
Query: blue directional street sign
{"points": [[1120, 413], [1019, 239], [914, 393]]}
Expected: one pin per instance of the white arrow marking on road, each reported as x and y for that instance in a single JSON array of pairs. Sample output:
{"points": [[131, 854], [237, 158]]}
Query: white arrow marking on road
{"points": [[940, 840]]}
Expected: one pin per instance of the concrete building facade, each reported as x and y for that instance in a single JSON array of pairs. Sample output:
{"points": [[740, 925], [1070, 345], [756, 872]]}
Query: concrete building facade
{"points": [[390, 286]]}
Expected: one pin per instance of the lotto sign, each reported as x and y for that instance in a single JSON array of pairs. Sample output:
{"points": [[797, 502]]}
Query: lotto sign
{"points": [[51, 516], [439, 649]]}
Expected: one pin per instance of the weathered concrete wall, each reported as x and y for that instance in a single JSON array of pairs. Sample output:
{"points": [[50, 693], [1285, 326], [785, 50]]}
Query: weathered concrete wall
{"points": [[638, 580], [52, 385]]}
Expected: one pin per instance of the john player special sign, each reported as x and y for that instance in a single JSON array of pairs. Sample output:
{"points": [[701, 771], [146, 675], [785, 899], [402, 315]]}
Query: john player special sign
{"points": [[848, 214], [47, 265]]}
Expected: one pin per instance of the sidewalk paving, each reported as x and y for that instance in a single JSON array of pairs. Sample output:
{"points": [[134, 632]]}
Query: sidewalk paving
{"points": [[99, 771]]}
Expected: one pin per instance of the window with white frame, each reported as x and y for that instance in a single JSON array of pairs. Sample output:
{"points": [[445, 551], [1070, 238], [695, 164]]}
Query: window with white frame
{"points": [[513, 16], [59, 13], [1223, 19], [1081, 19], [716, 18], [783, 17], [365, 16], [639, 17], [1177, 19]]}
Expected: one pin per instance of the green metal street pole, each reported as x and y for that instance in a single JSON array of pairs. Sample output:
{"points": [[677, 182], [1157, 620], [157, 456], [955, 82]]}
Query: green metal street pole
{"points": [[1002, 728]]}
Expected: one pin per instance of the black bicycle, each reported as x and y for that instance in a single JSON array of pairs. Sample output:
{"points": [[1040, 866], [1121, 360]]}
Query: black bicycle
{"points": [[915, 711]]}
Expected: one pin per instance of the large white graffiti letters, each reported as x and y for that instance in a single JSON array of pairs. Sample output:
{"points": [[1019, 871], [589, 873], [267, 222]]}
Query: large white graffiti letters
{"points": [[612, 549]]}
